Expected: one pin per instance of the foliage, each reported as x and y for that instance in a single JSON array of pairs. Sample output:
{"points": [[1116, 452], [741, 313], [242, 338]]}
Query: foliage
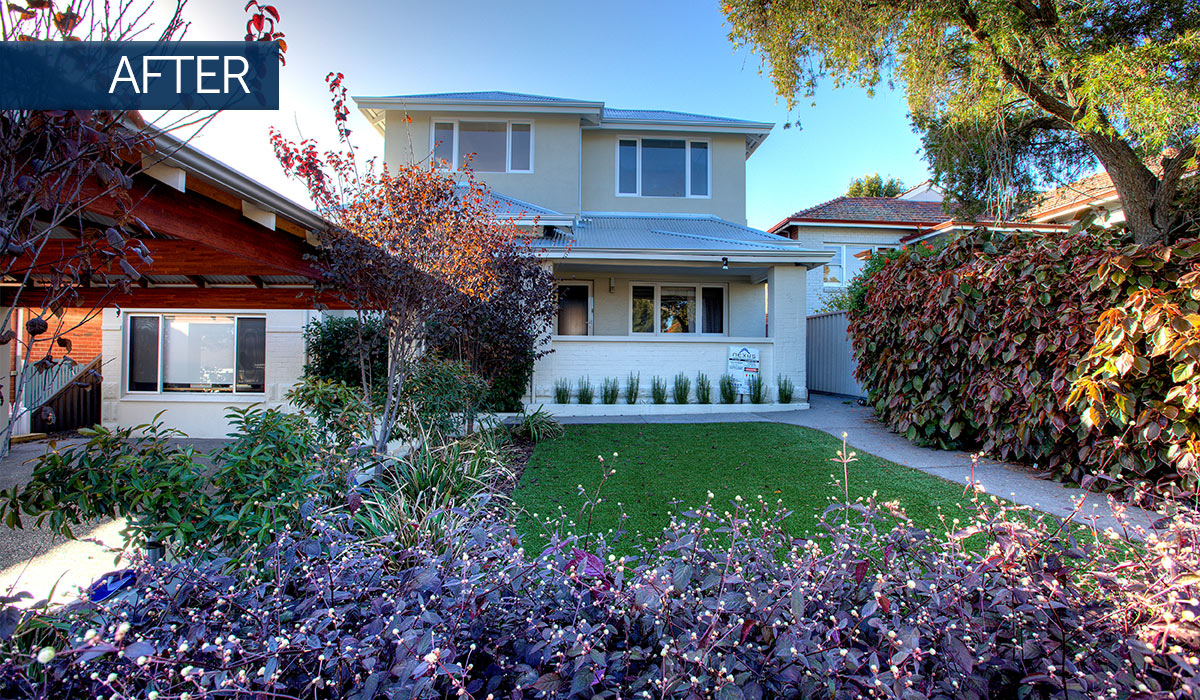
{"points": [[787, 389], [682, 389], [341, 348], [757, 389], [874, 185], [632, 387], [728, 389], [441, 399], [1138, 389], [537, 426], [413, 245], [977, 346], [703, 388], [417, 499], [610, 391], [1008, 95], [501, 336], [562, 391], [658, 390], [174, 496], [853, 297], [585, 392], [868, 605], [340, 412]]}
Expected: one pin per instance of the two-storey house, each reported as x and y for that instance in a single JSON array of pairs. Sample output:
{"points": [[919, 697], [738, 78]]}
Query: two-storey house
{"points": [[641, 214]]}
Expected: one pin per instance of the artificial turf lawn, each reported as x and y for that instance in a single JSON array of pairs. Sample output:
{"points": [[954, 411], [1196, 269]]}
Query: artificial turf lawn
{"points": [[661, 463]]}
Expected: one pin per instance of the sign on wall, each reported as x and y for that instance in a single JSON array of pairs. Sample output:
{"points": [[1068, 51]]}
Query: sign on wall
{"points": [[742, 364]]}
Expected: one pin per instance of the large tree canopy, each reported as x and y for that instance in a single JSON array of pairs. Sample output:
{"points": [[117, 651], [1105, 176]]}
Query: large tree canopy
{"points": [[874, 186], [1010, 94]]}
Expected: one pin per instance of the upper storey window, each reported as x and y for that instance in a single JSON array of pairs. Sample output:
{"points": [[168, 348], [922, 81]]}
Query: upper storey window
{"points": [[493, 146], [653, 167]]}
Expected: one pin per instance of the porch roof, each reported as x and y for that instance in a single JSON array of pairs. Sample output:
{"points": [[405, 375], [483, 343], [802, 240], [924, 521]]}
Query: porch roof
{"points": [[670, 236]]}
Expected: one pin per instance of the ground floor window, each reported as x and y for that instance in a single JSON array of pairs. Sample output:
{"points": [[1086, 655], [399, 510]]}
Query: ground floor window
{"points": [[672, 307], [193, 353]]}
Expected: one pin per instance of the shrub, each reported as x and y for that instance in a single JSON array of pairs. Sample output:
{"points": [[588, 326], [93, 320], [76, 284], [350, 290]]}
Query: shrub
{"points": [[683, 388], [340, 411], [867, 606], [175, 497], [332, 346], [537, 426], [417, 499], [442, 397], [728, 389], [632, 387], [703, 388], [757, 390], [658, 390], [976, 346], [787, 389], [610, 390], [562, 391], [585, 392]]}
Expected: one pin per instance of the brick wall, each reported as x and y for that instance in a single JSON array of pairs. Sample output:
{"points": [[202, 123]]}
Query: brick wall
{"points": [[81, 326]]}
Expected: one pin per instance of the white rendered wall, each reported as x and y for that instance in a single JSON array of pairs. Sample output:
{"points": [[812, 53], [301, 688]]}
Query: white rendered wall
{"points": [[200, 415]]}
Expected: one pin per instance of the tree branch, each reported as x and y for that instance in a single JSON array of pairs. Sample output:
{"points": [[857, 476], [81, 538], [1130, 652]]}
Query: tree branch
{"points": [[1013, 75]]}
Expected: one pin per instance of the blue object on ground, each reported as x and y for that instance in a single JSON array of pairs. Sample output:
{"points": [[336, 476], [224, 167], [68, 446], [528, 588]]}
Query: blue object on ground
{"points": [[112, 584]]}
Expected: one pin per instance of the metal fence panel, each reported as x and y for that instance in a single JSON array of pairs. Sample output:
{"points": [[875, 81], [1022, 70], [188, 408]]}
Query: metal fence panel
{"points": [[830, 358]]}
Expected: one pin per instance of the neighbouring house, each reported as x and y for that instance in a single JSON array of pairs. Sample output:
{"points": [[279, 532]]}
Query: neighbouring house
{"points": [[214, 321], [641, 216], [851, 228]]}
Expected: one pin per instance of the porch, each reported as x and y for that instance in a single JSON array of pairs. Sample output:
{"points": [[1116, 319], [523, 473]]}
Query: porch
{"points": [[660, 319]]}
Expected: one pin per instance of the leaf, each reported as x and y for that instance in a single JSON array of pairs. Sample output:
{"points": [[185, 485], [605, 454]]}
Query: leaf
{"points": [[959, 652]]}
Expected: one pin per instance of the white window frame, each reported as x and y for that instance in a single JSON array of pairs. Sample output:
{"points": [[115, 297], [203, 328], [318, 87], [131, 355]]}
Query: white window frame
{"points": [[508, 150], [700, 287], [128, 331], [845, 256], [687, 166], [590, 307]]}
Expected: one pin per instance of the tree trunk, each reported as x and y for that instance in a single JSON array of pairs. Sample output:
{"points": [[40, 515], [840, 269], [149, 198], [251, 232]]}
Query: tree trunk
{"points": [[1145, 199]]}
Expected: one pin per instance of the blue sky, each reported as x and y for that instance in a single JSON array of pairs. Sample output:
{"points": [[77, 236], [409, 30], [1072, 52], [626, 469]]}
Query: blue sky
{"points": [[649, 54]]}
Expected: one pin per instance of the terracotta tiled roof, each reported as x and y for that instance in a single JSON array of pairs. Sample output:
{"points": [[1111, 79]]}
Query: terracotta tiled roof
{"points": [[1080, 191], [1089, 189], [887, 209]]}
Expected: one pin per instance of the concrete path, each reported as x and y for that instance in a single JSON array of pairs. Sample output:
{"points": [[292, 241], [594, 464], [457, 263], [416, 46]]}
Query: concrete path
{"points": [[836, 415]]}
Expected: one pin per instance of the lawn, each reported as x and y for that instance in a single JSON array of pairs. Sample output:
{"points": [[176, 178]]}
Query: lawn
{"points": [[663, 468]]}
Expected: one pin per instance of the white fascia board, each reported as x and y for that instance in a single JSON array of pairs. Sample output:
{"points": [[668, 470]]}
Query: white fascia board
{"points": [[863, 224], [809, 258], [366, 103], [682, 125]]}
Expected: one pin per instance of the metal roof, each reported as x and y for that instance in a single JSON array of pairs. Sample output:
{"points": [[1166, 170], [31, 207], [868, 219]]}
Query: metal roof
{"points": [[645, 232], [665, 115], [486, 96], [511, 206]]}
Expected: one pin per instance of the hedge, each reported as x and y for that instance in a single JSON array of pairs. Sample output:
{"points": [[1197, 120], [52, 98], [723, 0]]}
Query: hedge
{"points": [[1060, 350], [1139, 385], [976, 346]]}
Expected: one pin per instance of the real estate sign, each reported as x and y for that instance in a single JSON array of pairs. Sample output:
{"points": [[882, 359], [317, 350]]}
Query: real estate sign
{"points": [[742, 364]]}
